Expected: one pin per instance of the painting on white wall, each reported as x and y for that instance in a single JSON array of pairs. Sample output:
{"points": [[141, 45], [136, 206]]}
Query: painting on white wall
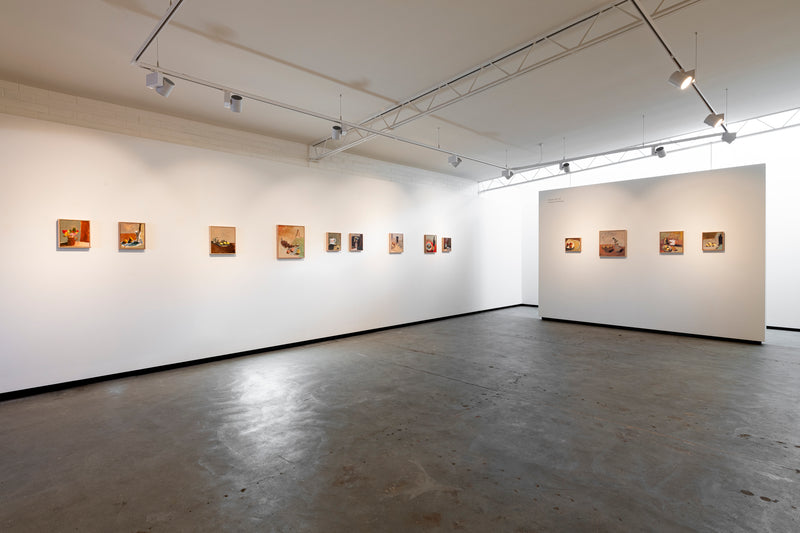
{"points": [[670, 242], [131, 236], [222, 239], [572, 245], [713, 241], [333, 242], [74, 233], [395, 243], [614, 243], [356, 242], [430, 244], [291, 242], [447, 245]]}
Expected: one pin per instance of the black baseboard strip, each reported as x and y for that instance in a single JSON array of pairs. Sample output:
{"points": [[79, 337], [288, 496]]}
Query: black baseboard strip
{"points": [[781, 328], [645, 330], [528, 305], [150, 370]]}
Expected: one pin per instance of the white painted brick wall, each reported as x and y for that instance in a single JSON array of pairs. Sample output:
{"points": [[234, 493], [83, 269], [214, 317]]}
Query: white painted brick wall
{"points": [[33, 102]]}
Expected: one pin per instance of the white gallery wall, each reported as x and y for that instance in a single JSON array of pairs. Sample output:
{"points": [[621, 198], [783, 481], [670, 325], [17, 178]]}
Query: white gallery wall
{"points": [[776, 150], [76, 314], [698, 292]]}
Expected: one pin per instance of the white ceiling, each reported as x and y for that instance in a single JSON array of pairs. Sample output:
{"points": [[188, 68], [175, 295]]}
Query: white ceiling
{"points": [[379, 52]]}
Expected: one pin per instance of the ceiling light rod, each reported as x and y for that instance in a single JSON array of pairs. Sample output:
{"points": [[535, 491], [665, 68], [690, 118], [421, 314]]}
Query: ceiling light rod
{"points": [[615, 151], [321, 116], [649, 21], [153, 34], [423, 110]]}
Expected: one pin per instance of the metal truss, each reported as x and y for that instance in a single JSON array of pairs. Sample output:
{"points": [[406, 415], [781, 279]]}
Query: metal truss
{"points": [[746, 128], [594, 28]]}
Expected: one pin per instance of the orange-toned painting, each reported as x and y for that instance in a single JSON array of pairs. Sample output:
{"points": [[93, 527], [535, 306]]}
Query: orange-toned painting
{"points": [[572, 245], [670, 242], [74, 233], [291, 242], [430, 244], [395, 243], [131, 236], [614, 243], [222, 239], [713, 241]]}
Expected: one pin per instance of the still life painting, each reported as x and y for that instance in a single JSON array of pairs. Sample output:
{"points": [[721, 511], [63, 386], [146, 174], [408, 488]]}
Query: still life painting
{"points": [[356, 242], [572, 245], [223, 239], [447, 244], [291, 242], [73, 233], [614, 243], [333, 242], [713, 241], [131, 236], [395, 243], [670, 242], [430, 244]]}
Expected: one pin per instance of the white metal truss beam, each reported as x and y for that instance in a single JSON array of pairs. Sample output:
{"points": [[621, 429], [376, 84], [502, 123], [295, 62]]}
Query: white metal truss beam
{"points": [[745, 128], [591, 29]]}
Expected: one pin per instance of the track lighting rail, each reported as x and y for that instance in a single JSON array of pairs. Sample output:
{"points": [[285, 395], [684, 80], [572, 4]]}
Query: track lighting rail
{"points": [[615, 19]]}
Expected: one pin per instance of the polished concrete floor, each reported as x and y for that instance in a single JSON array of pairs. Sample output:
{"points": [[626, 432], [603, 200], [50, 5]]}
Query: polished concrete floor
{"points": [[492, 422]]}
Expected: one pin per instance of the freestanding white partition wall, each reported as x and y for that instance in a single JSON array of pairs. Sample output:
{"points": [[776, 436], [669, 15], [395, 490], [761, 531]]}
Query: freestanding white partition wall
{"points": [[718, 294]]}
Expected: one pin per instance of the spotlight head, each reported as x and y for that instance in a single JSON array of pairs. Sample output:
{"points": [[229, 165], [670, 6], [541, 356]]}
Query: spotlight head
{"points": [[565, 167], [454, 160], [336, 132], [682, 79], [729, 136], [507, 173], [166, 88], [236, 103], [659, 151], [714, 119], [154, 80], [226, 99]]}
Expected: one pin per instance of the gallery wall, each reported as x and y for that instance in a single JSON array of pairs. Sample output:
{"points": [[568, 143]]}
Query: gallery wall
{"points": [[75, 314], [720, 294], [775, 149]]}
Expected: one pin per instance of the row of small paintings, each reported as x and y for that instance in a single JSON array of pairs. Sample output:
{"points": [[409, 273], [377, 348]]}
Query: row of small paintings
{"points": [[222, 239], [614, 243]]}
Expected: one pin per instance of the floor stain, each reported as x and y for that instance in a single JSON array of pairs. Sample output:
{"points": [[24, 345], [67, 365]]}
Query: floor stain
{"points": [[747, 493], [744, 436]]}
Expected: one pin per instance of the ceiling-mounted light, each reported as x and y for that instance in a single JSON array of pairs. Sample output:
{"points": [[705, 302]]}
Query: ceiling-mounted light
{"points": [[454, 160], [729, 136], [682, 79], [507, 173], [565, 167], [660, 151], [166, 87], [157, 81], [336, 132], [714, 119], [236, 103]]}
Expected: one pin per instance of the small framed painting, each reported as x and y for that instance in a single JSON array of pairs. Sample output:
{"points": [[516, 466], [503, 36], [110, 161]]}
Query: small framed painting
{"points": [[395, 243], [131, 236], [430, 244], [713, 241], [222, 239], [356, 242], [447, 245], [670, 242], [74, 233], [291, 242], [572, 245], [614, 243], [333, 242]]}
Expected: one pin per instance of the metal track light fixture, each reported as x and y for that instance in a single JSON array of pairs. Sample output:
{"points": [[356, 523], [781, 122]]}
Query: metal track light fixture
{"points": [[564, 166], [714, 119], [660, 151], [682, 79], [454, 160], [232, 101], [157, 81]]}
